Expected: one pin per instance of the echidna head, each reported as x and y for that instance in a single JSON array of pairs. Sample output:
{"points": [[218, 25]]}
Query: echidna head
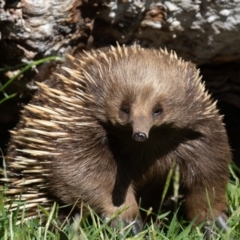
{"points": [[144, 89], [139, 98]]}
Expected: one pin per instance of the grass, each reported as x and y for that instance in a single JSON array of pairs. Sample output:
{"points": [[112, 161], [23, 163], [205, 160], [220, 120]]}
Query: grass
{"points": [[49, 227], [20, 72]]}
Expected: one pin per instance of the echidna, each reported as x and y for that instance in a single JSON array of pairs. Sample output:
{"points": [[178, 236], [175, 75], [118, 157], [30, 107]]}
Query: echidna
{"points": [[107, 127]]}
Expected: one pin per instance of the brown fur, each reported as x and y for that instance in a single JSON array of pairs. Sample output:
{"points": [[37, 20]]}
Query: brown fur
{"points": [[93, 112]]}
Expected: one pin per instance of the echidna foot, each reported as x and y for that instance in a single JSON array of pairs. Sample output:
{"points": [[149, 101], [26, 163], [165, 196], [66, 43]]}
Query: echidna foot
{"points": [[120, 223]]}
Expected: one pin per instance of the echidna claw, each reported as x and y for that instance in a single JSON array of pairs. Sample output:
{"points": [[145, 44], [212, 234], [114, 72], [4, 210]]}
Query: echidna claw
{"points": [[221, 224], [137, 226], [209, 233]]}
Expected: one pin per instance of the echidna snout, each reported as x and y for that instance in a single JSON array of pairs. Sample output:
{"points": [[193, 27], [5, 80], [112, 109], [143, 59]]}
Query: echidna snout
{"points": [[139, 137], [141, 126]]}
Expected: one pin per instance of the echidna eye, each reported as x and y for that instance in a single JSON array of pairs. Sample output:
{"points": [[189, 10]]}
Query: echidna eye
{"points": [[125, 109], [157, 111]]}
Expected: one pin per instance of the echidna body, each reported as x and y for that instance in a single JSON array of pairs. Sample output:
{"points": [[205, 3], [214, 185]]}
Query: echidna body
{"points": [[107, 127]]}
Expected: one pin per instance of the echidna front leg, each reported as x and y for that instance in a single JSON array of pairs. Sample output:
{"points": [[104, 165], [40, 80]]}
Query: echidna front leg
{"points": [[122, 202], [123, 212], [209, 206]]}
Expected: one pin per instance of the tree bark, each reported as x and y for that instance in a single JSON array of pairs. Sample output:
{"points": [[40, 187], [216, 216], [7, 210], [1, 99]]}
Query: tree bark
{"points": [[31, 30], [201, 31]]}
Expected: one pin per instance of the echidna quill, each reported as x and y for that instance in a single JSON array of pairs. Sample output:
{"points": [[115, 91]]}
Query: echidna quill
{"points": [[107, 127]]}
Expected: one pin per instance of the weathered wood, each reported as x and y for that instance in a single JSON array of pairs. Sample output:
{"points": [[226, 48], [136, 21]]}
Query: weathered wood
{"points": [[32, 29], [200, 31]]}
